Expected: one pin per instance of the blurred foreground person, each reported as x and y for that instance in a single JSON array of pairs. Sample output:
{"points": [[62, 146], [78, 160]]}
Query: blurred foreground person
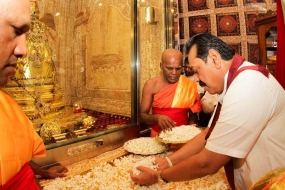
{"points": [[19, 141], [273, 180], [246, 133]]}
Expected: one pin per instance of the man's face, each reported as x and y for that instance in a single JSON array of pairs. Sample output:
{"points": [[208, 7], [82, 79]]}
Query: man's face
{"points": [[207, 72], [14, 23], [172, 69], [187, 70]]}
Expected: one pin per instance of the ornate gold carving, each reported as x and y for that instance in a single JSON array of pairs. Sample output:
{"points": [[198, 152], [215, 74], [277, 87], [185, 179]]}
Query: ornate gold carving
{"points": [[82, 18], [108, 72], [34, 84], [107, 37]]}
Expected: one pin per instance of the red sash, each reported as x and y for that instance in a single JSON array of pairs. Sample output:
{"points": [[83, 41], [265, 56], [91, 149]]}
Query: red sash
{"points": [[178, 115], [23, 180], [233, 72]]}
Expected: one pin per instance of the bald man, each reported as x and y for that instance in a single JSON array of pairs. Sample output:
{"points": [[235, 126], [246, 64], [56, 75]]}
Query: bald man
{"points": [[19, 141], [170, 96]]}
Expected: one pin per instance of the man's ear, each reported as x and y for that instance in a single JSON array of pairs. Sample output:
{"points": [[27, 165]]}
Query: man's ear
{"points": [[215, 58]]}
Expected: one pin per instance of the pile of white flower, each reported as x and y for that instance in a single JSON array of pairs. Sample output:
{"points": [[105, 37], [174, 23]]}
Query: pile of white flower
{"points": [[147, 162], [144, 146], [115, 175], [181, 133], [107, 176]]}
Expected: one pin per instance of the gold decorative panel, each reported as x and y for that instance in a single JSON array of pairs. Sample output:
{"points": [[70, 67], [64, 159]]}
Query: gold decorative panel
{"points": [[152, 41], [94, 52], [108, 51], [92, 49], [108, 57]]}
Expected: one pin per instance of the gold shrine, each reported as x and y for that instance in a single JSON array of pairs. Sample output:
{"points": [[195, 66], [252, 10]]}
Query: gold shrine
{"points": [[35, 87]]}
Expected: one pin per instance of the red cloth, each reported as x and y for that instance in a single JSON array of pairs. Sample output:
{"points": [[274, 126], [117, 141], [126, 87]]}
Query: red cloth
{"points": [[178, 115], [23, 180], [280, 59]]}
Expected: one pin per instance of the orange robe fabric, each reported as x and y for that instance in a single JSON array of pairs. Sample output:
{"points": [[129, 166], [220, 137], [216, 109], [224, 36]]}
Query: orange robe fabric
{"points": [[175, 100], [19, 141]]}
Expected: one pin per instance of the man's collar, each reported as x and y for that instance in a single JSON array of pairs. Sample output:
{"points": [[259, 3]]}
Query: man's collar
{"points": [[221, 97]]}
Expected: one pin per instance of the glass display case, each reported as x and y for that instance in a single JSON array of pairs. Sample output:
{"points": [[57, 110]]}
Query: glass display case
{"points": [[88, 103], [87, 62]]}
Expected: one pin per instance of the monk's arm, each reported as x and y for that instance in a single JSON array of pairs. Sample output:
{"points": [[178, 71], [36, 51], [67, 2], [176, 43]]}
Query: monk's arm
{"points": [[51, 173], [163, 121], [147, 98]]}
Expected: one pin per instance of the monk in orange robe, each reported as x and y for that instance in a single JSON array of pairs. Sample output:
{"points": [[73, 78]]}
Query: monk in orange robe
{"points": [[19, 144], [170, 96]]}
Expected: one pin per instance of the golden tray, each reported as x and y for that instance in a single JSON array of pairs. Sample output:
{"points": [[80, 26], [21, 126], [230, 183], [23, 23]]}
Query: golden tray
{"points": [[169, 142]]}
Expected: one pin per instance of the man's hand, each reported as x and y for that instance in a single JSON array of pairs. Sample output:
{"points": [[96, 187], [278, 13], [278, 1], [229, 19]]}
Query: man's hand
{"points": [[161, 163], [51, 173], [147, 177], [164, 122], [55, 171]]}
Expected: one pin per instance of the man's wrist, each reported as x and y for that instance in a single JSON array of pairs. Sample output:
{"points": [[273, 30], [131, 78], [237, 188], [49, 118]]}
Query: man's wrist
{"points": [[45, 173], [169, 161], [155, 118], [160, 178]]}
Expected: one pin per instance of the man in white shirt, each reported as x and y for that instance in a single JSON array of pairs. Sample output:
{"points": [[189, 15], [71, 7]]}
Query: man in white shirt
{"points": [[249, 130]]}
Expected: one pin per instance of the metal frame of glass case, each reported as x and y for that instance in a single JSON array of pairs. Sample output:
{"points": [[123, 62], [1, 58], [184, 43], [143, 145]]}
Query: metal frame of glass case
{"points": [[74, 150]]}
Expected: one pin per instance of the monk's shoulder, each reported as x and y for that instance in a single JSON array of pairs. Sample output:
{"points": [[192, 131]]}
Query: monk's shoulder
{"points": [[152, 81], [155, 84]]}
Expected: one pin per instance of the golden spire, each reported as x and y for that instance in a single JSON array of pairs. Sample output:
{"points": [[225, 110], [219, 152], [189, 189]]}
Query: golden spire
{"points": [[34, 9]]}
